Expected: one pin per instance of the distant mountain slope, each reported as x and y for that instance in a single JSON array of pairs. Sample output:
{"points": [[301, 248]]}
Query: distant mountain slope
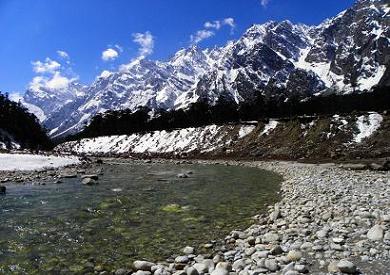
{"points": [[343, 54]]}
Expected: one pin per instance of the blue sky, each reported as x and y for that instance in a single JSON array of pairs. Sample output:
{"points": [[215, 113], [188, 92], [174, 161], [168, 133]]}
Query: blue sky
{"points": [[32, 32]]}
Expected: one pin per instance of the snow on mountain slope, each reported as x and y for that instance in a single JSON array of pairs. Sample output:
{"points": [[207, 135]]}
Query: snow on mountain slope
{"points": [[346, 53]]}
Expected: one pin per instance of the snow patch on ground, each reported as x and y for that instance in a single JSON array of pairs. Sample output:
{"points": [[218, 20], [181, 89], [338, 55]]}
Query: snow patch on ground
{"points": [[245, 130], [367, 125], [271, 125], [26, 162], [202, 139]]}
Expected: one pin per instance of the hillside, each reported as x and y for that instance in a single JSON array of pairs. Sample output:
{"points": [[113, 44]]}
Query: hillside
{"points": [[359, 135]]}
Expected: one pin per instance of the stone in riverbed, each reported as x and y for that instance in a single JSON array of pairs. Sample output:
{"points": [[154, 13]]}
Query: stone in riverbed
{"points": [[89, 181], [192, 271], [222, 268], [143, 265], [270, 237], [206, 266], [182, 176], [294, 255], [122, 271], [375, 233], [92, 176], [332, 267], [182, 259], [346, 267], [271, 265], [3, 190], [188, 250]]}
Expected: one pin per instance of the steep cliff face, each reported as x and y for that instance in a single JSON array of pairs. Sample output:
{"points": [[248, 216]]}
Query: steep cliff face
{"points": [[346, 53]]}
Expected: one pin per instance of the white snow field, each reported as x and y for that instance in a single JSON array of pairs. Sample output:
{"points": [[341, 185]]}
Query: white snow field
{"points": [[26, 162]]}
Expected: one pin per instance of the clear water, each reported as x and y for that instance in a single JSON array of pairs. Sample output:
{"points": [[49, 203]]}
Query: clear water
{"points": [[136, 212]]}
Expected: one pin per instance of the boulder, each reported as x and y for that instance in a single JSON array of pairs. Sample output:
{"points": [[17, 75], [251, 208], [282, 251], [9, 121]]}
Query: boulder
{"points": [[3, 190]]}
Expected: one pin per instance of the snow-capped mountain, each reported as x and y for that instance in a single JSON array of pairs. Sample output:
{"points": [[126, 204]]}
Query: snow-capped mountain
{"points": [[346, 53]]}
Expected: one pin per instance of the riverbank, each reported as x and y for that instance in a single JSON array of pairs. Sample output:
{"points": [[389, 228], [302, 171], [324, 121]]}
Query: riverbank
{"points": [[328, 220]]}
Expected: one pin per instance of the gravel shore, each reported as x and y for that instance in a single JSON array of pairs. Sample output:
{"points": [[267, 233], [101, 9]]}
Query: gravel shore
{"points": [[330, 220]]}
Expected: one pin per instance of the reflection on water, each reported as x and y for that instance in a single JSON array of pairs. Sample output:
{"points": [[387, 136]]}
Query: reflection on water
{"points": [[136, 211]]}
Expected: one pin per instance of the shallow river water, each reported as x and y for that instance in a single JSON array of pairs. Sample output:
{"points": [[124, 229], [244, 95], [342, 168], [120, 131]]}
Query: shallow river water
{"points": [[135, 212]]}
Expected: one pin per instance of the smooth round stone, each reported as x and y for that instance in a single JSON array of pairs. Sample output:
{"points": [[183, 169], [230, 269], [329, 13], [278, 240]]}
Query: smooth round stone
{"points": [[376, 233], [182, 259], [192, 271], [271, 237], [294, 255], [346, 267], [89, 181], [188, 250]]}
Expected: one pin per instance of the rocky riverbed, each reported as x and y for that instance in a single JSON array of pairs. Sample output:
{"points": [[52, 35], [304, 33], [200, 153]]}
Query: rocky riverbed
{"points": [[330, 220]]}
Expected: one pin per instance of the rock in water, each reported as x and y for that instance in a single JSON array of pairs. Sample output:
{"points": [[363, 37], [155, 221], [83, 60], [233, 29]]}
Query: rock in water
{"points": [[182, 176], [346, 267], [89, 181], [375, 233], [3, 190], [93, 176]]}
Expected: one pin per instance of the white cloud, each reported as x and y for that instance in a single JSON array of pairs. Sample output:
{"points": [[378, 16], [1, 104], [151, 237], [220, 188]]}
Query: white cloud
{"points": [[56, 82], [229, 22], [146, 43], [217, 24], [213, 25], [264, 3], [210, 28], [63, 54], [109, 54], [201, 35], [48, 66]]}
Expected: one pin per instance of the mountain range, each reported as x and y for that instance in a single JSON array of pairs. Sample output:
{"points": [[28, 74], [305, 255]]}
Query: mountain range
{"points": [[344, 54]]}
